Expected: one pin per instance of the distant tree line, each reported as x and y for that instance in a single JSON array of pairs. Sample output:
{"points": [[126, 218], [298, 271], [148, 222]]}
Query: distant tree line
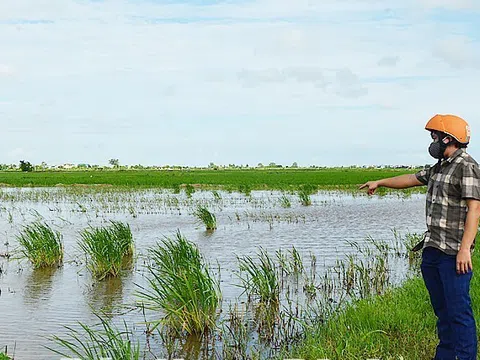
{"points": [[27, 166]]}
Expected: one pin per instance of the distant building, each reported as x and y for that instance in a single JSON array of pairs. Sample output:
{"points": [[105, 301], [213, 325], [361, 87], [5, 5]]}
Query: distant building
{"points": [[66, 166]]}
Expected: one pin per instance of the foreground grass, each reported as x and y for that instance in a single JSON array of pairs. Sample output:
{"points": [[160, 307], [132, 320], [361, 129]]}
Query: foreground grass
{"points": [[95, 343], [182, 286], [230, 179], [400, 324]]}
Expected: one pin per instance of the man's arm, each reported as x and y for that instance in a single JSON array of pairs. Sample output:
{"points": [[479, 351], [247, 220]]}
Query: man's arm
{"points": [[397, 182], [464, 259]]}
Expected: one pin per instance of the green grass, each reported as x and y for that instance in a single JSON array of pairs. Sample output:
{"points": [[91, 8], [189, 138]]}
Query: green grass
{"points": [[189, 190], [237, 180], [182, 287], [259, 278], [107, 248], [4, 357], [285, 201], [399, 323], [41, 245], [206, 217], [97, 343], [304, 192], [304, 198]]}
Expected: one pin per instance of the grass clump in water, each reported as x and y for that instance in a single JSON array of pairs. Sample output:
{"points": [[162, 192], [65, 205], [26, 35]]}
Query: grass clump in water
{"points": [[206, 217], [182, 287], [41, 245], [261, 282], [304, 193], [189, 190], [107, 247], [245, 189], [260, 279], [95, 343], [285, 201], [216, 195]]}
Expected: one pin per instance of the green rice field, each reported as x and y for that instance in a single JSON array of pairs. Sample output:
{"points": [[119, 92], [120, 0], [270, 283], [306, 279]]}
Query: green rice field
{"points": [[229, 179]]}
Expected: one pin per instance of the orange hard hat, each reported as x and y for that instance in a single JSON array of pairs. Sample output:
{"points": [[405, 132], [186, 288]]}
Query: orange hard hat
{"points": [[451, 125]]}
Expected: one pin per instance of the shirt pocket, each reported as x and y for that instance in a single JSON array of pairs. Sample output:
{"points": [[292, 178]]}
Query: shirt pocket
{"points": [[450, 191]]}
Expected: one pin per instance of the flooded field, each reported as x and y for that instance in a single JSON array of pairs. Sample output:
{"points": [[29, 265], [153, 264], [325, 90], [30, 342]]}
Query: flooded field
{"points": [[36, 304]]}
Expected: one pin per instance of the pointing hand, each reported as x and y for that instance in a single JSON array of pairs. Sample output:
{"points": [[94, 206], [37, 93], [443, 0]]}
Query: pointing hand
{"points": [[371, 185]]}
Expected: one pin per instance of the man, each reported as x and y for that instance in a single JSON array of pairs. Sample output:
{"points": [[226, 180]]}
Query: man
{"points": [[452, 215]]}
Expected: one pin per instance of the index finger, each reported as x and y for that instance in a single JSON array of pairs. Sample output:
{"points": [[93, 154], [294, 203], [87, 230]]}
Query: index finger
{"points": [[362, 186]]}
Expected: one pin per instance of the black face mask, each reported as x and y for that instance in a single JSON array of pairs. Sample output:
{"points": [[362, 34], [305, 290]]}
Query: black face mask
{"points": [[438, 147]]}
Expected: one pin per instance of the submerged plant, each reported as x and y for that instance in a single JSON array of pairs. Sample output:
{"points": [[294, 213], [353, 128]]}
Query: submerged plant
{"points": [[206, 217], [41, 245], [304, 198], [284, 264], [297, 261], [304, 193], [245, 189], [235, 335], [189, 190], [259, 279], [366, 272], [95, 343], [176, 188], [107, 247], [414, 258], [216, 195], [285, 201], [181, 286], [290, 265]]}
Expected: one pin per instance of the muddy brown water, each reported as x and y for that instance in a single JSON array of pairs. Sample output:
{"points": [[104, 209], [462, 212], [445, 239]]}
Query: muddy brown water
{"points": [[34, 305]]}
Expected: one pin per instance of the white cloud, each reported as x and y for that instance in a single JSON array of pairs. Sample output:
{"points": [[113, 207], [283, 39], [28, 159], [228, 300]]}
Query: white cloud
{"points": [[301, 75], [349, 85], [5, 70], [458, 52], [213, 79], [451, 4], [388, 61]]}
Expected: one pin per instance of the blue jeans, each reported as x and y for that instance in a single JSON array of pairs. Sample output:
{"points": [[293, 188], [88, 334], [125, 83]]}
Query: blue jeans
{"points": [[450, 298]]}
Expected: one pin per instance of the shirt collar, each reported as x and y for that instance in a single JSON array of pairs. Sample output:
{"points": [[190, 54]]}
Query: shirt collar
{"points": [[456, 154]]}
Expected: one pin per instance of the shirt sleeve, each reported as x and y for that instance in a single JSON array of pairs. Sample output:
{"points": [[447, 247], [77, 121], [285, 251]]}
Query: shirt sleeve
{"points": [[471, 182], [424, 175]]}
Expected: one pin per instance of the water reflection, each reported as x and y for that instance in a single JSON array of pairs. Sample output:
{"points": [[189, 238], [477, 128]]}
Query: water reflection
{"points": [[192, 347], [69, 295], [208, 233], [106, 295], [38, 286]]}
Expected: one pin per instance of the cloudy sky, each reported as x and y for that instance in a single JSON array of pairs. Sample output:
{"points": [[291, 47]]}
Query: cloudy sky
{"points": [[189, 82]]}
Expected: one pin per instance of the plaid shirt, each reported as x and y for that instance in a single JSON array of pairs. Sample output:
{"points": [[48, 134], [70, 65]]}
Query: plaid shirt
{"points": [[450, 183]]}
